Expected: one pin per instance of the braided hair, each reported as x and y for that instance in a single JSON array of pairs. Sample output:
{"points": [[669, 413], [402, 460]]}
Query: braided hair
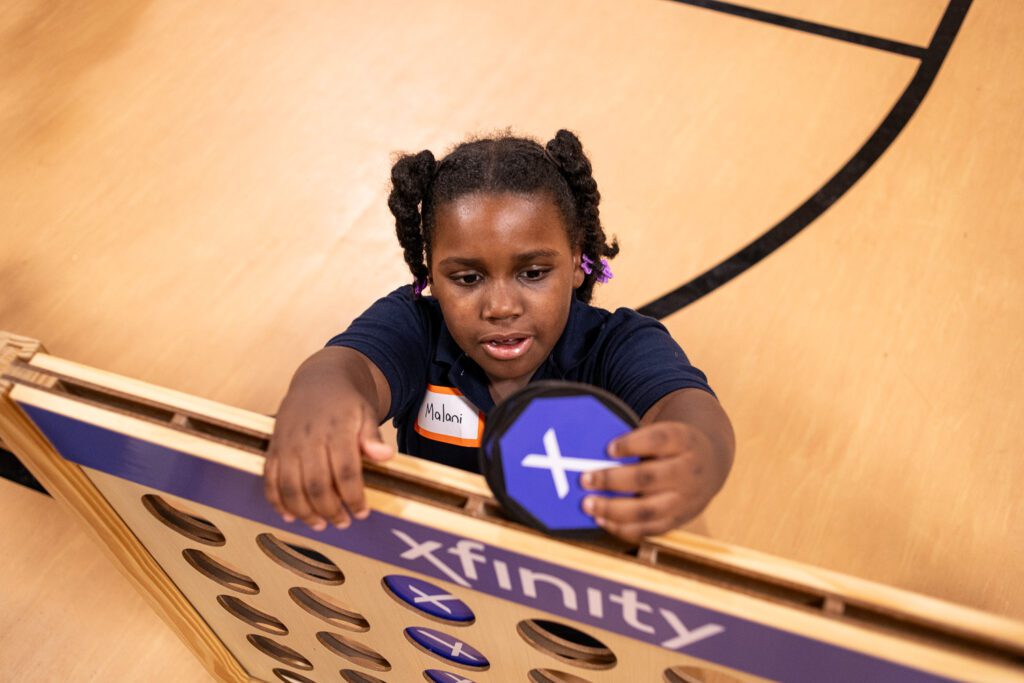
{"points": [[504, 163]]}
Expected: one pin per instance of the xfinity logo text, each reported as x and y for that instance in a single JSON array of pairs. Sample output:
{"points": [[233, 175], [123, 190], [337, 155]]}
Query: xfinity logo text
{"points": [[467, 564]]}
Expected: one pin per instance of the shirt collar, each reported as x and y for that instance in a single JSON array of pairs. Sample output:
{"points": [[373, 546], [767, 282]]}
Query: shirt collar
{"points": [[576, 341], [448, 351], [463, 373]]}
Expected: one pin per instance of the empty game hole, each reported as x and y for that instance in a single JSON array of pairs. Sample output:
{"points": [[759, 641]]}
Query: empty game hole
{"points": [[553, 676], [353, 651], [693, 674], [566, 643], [330, 611], [220, 572], [281, 653], [305, 562], [252, 616], [291, 677], [351, 676], [188, 525]]}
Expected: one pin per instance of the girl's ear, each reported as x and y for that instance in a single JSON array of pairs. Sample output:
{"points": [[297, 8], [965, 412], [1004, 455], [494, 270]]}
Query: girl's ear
{"points": [[577, 269]]}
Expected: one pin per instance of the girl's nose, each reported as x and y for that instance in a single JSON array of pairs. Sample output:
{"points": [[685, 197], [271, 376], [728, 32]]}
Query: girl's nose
{"points": [[502, 302]]}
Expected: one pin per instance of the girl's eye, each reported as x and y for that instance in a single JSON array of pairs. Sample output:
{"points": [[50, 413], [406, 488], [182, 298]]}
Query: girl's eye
{"points": [[534, 274], [467, 278]]}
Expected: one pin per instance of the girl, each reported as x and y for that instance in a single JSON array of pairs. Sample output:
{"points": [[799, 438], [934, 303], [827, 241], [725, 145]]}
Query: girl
{"points": [[507, 236]]}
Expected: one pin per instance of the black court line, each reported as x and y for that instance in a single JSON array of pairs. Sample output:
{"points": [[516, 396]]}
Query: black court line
{"points": [[11, 468], [931, 59], [810, 27], [836, 186]]}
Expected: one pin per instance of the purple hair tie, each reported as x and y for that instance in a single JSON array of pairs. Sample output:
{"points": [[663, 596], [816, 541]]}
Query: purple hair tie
{"points": [[418, 285], [587, 264]]}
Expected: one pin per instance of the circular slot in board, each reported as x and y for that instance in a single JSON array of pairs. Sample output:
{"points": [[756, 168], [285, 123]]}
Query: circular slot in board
{"points": [[218, 571], [566, 643], [185, 523], [305, 562], [252, 616], [329, 610], [281, 653], [355, 652]]}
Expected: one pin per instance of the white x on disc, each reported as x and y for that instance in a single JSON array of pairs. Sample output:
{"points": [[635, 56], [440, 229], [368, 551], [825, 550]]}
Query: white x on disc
{"points": [[435, 600], [456, 647], [558, 465]]}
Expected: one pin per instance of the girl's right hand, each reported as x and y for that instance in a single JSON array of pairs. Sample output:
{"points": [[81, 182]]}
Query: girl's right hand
{"points": [[314, 468]]}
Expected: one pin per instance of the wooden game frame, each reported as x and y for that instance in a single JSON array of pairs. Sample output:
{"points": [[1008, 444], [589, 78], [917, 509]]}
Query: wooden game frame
{"points": [[925, 638]]}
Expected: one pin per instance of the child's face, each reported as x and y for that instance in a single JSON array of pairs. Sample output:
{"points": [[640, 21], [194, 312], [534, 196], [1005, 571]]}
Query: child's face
{"points": [[503, 270]]}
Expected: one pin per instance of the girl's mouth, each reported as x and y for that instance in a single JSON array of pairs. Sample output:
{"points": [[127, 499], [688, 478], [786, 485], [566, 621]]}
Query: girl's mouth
{"points": [[507, 348]]}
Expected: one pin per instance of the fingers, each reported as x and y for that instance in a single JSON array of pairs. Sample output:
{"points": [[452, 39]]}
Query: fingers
{"points": [[347, 476], [316, 476], [645, 477], [654, 440], [657, 506], [282, 475], [270, 487], [674, 460], [372, 443], [671, 483], [321, 497], [634, 518], [291, 491], [282, 484], [347, 467]]}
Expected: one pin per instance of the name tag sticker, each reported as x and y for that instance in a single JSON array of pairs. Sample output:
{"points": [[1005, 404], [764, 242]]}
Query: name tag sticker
{"points": [[446, 415]]}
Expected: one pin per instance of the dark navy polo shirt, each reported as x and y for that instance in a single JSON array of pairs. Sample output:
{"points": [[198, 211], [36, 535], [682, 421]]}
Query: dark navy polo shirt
{"points": [[626, 353]]}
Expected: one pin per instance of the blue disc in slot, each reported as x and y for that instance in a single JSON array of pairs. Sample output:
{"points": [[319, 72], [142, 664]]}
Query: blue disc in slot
{"points": [[438, 676], [429, 599], [447, 647]]}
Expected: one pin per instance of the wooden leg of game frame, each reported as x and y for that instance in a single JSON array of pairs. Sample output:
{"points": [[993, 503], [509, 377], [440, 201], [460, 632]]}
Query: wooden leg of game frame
{"points": [[66, 482]]}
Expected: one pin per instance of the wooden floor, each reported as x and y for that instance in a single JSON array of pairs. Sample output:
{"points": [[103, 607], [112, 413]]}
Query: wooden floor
{"points": [[194, 195], [68, 615]]}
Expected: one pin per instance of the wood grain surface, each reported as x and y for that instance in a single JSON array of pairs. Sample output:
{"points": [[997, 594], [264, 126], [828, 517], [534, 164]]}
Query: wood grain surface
{"points": [[194, 195]]}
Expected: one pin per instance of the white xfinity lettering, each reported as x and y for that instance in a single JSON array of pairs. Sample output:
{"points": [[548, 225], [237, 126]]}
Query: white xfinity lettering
{"points": [[684, 637], [464, 551], [630, 607], [426, 551], [577, 597], [529, 578]]}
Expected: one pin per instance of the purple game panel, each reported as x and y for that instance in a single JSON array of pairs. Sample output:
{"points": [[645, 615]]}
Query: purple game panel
{"points": [[536, 582]]}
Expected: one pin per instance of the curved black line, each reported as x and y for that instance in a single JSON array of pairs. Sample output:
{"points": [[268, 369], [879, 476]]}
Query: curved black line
{"points": [[787, 228], [836, 186], [810, 27], [12, 469]]}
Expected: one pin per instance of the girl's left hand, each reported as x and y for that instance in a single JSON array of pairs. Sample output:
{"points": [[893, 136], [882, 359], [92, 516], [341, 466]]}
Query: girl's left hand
{"points": [[671, 485]]}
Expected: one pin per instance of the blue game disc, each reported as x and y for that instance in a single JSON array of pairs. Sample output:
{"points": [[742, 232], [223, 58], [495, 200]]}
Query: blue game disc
{"points": [[538, 444], [429, 599], [438, 676], [447, 647]]}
